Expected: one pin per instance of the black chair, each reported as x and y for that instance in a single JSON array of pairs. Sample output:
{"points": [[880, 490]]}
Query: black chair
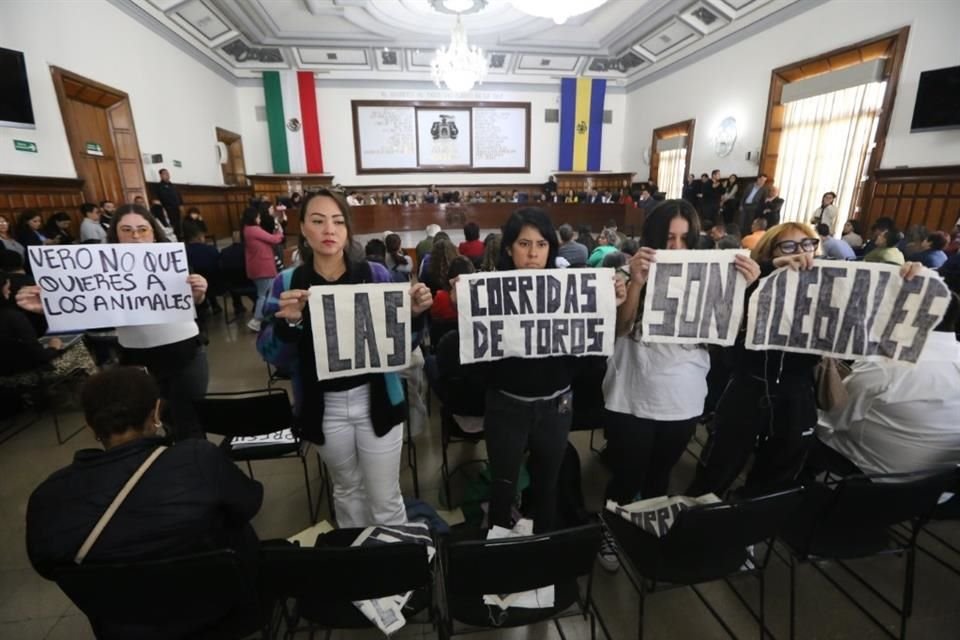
{"points": [[326, 579], [706, 543], [36, 388], [948, 511], [854, 518], [457, 388], [476, 568], [204, 595], [244, 414]]}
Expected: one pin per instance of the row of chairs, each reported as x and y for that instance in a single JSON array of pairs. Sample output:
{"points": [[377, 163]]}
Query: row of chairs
{"points": [[852, 518]]}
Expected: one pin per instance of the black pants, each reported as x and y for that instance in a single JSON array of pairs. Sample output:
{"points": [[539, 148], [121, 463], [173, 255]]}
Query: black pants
{"points": [[180, 389], [642, 452], [512, 426], [781, 416]]}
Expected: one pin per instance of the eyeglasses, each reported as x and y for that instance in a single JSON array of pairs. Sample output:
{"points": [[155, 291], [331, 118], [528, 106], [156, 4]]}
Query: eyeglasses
{"points": [[789, 247]]}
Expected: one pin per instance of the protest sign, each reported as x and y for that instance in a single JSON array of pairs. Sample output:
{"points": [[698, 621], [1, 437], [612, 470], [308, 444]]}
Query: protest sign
{"points": [[693, 297], [847, 310], [362, 328], [657, 515], [536, 313], [89, 286]]}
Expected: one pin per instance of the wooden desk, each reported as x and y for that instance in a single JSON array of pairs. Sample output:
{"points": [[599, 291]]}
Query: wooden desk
{"points": [[490, 215]]}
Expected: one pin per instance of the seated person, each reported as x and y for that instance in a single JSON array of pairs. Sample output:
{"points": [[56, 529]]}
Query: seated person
{"points": [[22, 351], [608, 240], [233, 271], [443, 309], [376, 251], [758, 228], [901, 418], [885, 248], [725, 236], [472, 247], [833, 248], [932, 254], [194, 217], [193, 498]]}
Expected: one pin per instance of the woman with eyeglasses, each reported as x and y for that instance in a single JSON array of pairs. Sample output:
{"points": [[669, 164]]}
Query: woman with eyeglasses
{"points": [[771, 395], [174, 352]]}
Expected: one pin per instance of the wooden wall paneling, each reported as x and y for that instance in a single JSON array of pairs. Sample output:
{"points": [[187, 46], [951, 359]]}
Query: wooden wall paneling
{"points": [[929, 196], [221, 207], [46, 195], [274, 185], [123, 131]]}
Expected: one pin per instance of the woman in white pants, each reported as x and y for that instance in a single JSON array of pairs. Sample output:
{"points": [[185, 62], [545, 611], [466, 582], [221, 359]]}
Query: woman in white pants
{"points": [[354, 421]]}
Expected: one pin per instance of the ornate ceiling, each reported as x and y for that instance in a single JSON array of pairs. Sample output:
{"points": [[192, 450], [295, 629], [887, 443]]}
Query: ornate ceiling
{"points": [[628, 41]]}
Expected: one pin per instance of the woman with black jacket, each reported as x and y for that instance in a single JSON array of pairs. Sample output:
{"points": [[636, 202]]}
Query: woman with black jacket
{"points": [[355, 421], [529, 404], [771, 395]]}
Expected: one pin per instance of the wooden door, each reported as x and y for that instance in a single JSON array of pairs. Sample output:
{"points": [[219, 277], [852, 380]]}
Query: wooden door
{"points": [[233, 168], [127, 150], [102, 137]]}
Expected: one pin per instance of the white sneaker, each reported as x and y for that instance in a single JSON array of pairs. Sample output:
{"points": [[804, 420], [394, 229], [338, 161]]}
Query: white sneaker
{"points": [[254, 325], [607, 556]]}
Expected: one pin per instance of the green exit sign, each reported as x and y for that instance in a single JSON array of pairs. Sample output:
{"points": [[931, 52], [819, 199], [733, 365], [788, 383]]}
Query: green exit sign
{"points": [[25, 145], [177, 163], [94, 149]]}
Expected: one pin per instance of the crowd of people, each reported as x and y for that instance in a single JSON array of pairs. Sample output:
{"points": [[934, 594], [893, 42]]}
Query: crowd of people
{"points": [[648, 398]]}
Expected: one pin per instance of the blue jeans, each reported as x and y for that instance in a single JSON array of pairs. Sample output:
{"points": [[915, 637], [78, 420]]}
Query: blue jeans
{"points": [[263, 286]]}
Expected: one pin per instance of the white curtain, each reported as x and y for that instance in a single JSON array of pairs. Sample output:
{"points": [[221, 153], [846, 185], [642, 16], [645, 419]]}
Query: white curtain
{"points": [[670, 172], [825, 146]]}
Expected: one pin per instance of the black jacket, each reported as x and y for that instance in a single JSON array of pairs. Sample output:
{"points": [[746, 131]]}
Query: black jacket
{"points": [[170, 198], [192, 499]]}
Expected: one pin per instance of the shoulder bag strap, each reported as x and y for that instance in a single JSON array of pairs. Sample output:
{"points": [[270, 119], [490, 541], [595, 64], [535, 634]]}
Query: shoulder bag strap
{"points": [[117, 501]]}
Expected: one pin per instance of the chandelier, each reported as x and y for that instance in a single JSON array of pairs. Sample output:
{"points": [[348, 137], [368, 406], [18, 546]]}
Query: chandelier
{"points": [[557, 10], [458, 66]]}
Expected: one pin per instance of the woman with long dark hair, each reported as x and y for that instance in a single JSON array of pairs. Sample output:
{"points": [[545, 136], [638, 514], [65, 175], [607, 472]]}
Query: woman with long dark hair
{"points": [[58, 228], [398, 263], [173, 352], [356, 421], [529, 404], [653, 393], [28, 232]]}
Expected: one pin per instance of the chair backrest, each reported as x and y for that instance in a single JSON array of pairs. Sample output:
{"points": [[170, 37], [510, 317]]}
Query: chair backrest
{"points": [[245, 413], [705, 542], [880, 500], [729, 527], [511, 565], [344, 573], [159, 593], [459, 384]]}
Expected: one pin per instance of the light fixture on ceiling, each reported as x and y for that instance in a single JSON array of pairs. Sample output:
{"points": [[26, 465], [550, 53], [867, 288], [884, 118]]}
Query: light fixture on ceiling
{"points": [[556, 10], [458, 66], [457, 7]]}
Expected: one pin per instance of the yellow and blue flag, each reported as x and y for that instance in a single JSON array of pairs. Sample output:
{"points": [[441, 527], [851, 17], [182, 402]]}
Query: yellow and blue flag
{"points": [[581, 123]]}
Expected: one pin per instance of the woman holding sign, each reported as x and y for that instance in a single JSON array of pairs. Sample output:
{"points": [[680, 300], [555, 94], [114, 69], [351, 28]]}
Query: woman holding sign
{"points": [[173, 353], [354, 421], [654, 393], [529, 404], [771, 396]]}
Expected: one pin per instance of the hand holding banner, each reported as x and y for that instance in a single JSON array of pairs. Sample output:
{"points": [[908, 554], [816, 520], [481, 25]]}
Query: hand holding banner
{"points": [[847, 310], [90, 286], [363, 328], [536, 313], [693, 297]]}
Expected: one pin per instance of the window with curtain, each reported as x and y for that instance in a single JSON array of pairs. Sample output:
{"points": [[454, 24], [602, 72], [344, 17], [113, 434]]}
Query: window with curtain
{"points": [[825, 146], [670, 172]]}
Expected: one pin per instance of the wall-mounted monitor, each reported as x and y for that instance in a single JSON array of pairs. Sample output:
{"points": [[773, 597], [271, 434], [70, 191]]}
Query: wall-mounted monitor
{"points": [[16, 109], [938, 100]]}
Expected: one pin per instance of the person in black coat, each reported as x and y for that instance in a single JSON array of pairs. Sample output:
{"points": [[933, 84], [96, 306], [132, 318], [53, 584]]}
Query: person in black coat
{"points": [[170, 198]]}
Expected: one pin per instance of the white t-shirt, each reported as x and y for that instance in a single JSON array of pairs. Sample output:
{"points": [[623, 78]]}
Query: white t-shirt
{"points": [[156, 335], [656, 381], [90, 230]]}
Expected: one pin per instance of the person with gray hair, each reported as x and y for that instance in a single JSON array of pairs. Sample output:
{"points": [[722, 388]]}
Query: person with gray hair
{"points": [[571, 250], [608, 239]]}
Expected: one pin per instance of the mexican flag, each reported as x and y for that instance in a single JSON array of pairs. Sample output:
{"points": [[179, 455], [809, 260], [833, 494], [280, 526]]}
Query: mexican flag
{"points": [[292, 121]]}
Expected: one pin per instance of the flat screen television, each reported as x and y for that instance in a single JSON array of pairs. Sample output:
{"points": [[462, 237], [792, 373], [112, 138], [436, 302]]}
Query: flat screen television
{"points": [[16, 109], [938, 100]]}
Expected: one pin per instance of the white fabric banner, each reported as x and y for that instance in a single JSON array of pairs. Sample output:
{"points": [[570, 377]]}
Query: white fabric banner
{"points": [[536, 313], [90, 286], [693, 297], [362, 328], [847, 310]]}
